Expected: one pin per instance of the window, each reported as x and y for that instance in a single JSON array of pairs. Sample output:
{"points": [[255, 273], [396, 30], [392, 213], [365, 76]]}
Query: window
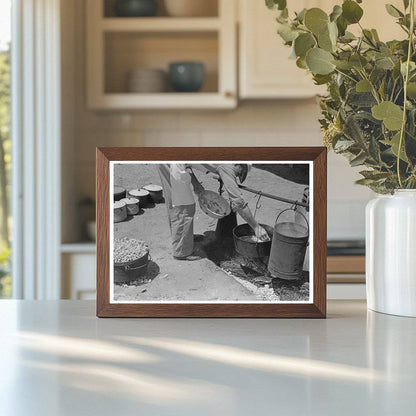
{"points": [[5, 147]]}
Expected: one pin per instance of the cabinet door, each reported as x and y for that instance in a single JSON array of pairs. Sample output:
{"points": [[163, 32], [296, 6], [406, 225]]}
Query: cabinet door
{"points": [[265, 68]]}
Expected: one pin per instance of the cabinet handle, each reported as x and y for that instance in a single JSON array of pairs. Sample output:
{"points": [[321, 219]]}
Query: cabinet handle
{"points": [[228, 94]]}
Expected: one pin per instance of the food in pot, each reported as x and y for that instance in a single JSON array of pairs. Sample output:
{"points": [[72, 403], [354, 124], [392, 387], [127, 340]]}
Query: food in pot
{"points": [[252, 239], [129, 249], [213, 205]]}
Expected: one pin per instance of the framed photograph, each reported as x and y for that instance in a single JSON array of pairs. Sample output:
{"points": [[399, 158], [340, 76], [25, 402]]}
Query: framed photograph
{"points": [[211, 232]]}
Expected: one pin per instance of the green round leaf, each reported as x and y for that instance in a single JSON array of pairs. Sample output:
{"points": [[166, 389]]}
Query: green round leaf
{"points": [[336, 12], [324, 42], [319, 61], [303, 43], [411, 90], [395, 145], [286, 32], [316, 20], [276, 4], [363, 86], [328, 40], [391, 114], [385, 63], [342, 25], [351, 11], [301, 63]]}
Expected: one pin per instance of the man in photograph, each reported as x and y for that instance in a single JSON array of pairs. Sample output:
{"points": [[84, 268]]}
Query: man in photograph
{"points": [[180, 203], [228, 174]]}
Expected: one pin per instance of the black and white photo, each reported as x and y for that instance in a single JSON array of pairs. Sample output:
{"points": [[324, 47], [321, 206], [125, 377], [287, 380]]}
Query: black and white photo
{"points": [[211, 232]]}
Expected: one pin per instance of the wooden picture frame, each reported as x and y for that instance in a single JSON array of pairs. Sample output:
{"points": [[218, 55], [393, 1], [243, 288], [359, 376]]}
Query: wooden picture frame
{"points": [[316, 308]]}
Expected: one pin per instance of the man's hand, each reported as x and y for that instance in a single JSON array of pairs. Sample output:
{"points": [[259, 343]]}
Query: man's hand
{"points": [[261, 233], [198, 188], [213, 175]]}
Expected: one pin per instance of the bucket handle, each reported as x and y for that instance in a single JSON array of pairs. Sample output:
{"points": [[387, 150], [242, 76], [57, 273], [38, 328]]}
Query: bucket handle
{"points": [[290, 209]]}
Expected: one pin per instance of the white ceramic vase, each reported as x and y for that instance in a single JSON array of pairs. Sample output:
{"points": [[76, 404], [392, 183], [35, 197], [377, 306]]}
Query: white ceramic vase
{"points": [[391, 253]]}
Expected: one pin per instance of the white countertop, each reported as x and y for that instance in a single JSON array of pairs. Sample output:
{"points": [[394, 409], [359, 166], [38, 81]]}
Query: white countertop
{"points": [[57, 359]]}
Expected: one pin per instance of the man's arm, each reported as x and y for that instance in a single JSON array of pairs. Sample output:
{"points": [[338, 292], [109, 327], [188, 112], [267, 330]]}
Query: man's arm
{"points": [[198, 188], [238, 203], [259, 231]]}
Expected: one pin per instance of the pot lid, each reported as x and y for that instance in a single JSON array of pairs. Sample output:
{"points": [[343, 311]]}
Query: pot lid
{"points": [[130, 201], [152, 188], [118, 190], [139, 192], [119, 204]]}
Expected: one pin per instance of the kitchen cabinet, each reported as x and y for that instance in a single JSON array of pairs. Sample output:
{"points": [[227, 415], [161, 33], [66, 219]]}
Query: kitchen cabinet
{"points": [[265, 70], [118, 45], [78, 271]]}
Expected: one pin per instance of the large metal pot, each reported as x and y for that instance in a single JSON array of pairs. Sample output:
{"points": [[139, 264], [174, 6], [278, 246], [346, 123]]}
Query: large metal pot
{"points": [[249, 248], [131, 270]]}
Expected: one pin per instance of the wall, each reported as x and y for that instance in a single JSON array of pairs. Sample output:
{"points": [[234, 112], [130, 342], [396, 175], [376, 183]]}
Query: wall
{"points": [[265, 123]]}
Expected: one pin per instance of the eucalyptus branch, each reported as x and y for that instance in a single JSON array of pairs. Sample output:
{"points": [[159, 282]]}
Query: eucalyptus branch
{"points": [[346, 75], [406, 80], [373, 89], [349, 63]]}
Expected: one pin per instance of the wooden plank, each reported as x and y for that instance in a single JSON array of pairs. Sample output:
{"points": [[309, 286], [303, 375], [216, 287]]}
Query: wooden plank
{"points": [[346, 264], [160, 24], [346, 278], [163, 101]]}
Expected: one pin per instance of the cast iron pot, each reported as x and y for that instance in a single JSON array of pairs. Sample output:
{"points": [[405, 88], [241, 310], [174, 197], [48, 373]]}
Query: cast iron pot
{"points": [[131, 270]]}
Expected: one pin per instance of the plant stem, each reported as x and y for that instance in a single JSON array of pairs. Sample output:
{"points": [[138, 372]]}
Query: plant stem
{"points": [[406, 80], [346, 75]]}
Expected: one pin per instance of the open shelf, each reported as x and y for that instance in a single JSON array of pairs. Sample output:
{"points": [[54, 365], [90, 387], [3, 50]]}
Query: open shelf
{"points": [[194, 101], [127, 51], [80, 247], [160, 24], [108, 9], [116, 46]]}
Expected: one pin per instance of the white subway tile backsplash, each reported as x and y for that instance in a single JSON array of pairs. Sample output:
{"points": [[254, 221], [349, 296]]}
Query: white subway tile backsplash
{"points": [[271, 123]]}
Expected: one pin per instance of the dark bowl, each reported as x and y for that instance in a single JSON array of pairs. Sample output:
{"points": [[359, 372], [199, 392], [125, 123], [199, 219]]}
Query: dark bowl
{"points": [[186, 76], [136, 8]]}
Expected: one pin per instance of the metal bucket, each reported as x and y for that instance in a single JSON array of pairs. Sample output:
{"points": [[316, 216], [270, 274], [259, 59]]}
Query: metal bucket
{"points": [[132, 270], [251, 249], [288, 250]]}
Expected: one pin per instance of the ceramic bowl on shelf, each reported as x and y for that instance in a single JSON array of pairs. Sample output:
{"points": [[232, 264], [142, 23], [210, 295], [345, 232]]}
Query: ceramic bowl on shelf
{"points": [[135, 8], [191, 8], [147, 80], [186, 76]]}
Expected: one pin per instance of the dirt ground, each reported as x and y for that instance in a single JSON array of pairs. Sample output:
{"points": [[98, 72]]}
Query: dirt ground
{"points": [[215, 277]]}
